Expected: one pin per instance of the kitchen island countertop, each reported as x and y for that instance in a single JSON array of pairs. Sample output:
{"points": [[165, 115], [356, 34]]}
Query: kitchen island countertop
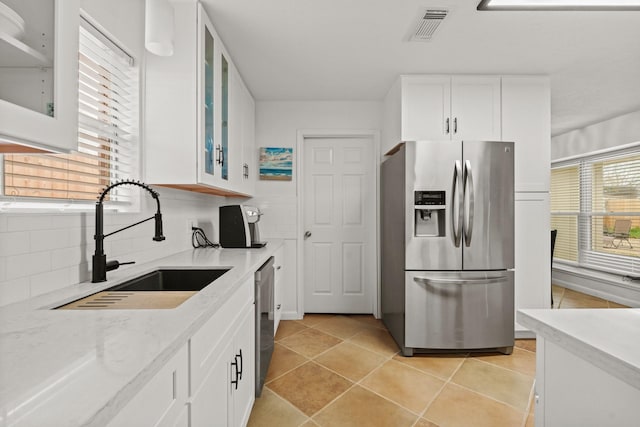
{"points": [[72, 368], [606, 338]]}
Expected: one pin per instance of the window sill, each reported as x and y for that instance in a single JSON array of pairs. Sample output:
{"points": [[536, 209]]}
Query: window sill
{"points": [[13, 205]]}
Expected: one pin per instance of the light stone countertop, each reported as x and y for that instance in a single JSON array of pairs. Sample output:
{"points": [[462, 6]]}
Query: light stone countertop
{"points": [[80, 367], [606, 338]]}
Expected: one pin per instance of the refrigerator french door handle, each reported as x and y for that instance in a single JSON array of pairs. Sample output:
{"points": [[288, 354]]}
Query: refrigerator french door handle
{"points": [[468, 189], [478, 281], [456, 201]]}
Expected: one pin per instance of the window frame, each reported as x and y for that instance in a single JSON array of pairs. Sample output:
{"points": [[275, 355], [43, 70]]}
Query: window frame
{"points": [[30, 204], [587, 257]]}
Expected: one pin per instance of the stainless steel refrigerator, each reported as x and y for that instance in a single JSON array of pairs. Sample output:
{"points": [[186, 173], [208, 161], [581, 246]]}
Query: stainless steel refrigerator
{"points": [[448, 246]]}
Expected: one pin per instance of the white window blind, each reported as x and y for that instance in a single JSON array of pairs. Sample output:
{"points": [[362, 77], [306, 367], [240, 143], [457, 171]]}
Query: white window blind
{"points": [[595, 206], [107, 131]]}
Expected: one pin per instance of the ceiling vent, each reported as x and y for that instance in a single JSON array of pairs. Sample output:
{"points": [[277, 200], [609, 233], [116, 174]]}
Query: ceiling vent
{"points": [[428, 24]]}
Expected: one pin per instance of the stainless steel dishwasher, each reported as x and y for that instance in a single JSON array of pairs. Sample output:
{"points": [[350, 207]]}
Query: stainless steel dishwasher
{"points": [[264, 321]]}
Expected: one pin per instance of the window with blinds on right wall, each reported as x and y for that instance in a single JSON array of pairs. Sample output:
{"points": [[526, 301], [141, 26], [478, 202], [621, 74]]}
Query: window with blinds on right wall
{"points": [[595, 206]]}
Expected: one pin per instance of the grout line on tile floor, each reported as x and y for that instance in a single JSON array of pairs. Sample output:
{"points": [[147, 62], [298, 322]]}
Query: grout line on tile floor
{"points": [[446, 382], [287, 372], [487, 396], [295, 408], [495, 365]]}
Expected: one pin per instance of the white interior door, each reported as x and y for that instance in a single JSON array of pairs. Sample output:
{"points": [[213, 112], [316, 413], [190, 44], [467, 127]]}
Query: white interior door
{"points": [[340, 225]]}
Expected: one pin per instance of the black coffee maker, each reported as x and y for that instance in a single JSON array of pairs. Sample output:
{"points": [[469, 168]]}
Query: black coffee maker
{"points": [[239, 227]]}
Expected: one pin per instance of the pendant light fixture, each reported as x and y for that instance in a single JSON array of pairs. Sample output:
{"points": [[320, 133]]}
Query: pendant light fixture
{"points": [[158, 27]]}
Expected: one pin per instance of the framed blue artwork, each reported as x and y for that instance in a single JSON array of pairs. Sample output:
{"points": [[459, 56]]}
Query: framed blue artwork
{"points": [[276, 164]]}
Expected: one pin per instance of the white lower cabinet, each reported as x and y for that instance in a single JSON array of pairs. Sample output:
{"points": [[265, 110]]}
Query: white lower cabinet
{"points": [[210, 381], [210, 404], [572, 391], [532, 252], [278, 287], [223, 364], [163, 401]]}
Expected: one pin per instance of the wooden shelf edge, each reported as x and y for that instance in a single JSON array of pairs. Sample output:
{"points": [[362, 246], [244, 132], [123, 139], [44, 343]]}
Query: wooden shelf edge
{"points": [[394, 149], [203, 189]]}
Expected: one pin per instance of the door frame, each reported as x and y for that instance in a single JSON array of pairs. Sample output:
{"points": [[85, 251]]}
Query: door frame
{"points": [[341, 133]]}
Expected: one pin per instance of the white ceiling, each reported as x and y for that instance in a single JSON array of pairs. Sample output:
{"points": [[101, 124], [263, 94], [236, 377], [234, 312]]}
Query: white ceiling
{"points": [[354, 49]]}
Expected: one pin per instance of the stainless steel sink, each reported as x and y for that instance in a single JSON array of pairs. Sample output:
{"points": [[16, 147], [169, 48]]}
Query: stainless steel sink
{"points": [[160, 289], [171, 280]]}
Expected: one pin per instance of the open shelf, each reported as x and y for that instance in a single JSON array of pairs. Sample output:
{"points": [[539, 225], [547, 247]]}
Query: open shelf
{"points": [[15, 53]]}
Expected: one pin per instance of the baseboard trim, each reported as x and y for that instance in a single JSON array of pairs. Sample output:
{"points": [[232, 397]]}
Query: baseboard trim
{"points": [[525, 335], [599, 284], [290, 315]]}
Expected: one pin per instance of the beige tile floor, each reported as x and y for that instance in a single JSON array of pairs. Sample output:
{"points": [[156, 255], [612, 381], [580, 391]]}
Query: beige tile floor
{"points": [[346, 370]]}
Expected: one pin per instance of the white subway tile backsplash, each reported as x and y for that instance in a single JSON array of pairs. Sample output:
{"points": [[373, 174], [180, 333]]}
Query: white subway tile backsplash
{"points": [[67, 257], [71, 220], [42, 252], [27, 264], [80, 273], [14, 290], [45, 240], [14, 243], [49, 281], [29, 222]]}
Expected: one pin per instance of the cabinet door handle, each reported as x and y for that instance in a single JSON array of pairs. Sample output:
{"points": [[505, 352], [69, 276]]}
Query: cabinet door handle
{"points": [[235, 366], [279, 306], [218, 153], [278, 267], [447, 126], [455, 125], [221, 156], [240, 369]]}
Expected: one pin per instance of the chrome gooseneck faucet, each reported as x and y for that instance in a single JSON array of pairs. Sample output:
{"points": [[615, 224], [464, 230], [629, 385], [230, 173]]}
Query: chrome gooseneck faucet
{"points": [[100, 264]]}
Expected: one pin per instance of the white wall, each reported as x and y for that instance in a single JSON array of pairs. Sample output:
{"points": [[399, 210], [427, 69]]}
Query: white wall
{"points": [[41, 252], [277, 125], [608, 134], [611, 133]]}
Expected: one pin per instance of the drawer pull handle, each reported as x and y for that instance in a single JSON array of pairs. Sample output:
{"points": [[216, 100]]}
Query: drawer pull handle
{"points": [[235, 366], [240, 368]]}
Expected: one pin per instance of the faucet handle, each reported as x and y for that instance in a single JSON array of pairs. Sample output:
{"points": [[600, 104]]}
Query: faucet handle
{"points": [[112, 265], [159, 236]]}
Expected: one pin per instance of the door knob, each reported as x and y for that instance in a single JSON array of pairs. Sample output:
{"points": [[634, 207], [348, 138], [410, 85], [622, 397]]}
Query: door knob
{"points": [[307, 234]]}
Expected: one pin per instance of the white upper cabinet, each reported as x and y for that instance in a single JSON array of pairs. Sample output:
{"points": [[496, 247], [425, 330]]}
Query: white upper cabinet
{"points": [[426, 107], [193, 111], [475, 108], [450, 107], [242, 133], [39, 77], [526, 120]]}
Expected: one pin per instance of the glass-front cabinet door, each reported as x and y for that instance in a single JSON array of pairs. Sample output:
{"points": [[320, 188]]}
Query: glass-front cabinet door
{"points": [[209, 165], [213, 156], [224, 110], [38, 74]]}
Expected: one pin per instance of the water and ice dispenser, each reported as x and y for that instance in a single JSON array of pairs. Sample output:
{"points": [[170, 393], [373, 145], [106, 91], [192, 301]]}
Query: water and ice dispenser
{"points": [[429, 213]]}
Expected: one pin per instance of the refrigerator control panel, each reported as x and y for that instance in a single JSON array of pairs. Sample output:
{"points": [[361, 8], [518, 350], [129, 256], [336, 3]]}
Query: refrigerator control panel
{"points": [[429, 198], [429, 211]]}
